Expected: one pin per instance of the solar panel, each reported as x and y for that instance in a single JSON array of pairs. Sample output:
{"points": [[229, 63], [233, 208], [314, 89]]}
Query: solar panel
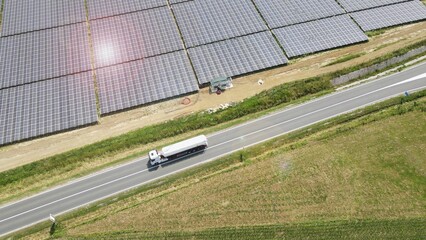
{"points": [[356, 5], [107, 8], [236, 56], [391, 15], [144, 81], [204, 22], [279, 13], [45, 107], [44, 54], [29, 15], [179, 1], [134, 36], [319, 35]]}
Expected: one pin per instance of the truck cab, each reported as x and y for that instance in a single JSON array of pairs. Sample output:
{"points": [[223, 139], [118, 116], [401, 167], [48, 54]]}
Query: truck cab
{"points": [[154, 157]]}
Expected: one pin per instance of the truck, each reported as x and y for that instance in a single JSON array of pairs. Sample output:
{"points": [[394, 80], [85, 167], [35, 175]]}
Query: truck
{"points": [[178, 150]]}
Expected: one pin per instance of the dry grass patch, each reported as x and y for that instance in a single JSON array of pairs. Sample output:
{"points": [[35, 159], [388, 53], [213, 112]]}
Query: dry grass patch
{"points": [[373, 172]]}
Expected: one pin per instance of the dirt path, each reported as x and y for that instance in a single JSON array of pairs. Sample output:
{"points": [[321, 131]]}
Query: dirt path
{"points": [[26, 152]]}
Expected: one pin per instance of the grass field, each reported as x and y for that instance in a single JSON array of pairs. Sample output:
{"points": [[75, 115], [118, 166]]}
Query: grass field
{"points": [[363, 179], [360, 229]]}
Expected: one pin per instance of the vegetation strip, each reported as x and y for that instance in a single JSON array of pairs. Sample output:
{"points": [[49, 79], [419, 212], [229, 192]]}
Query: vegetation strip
{"points": [[391, 107], [345, 58]]}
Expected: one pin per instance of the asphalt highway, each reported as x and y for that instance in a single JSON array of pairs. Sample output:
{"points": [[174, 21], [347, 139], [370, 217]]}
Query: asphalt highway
{"points": [[80, 192]]}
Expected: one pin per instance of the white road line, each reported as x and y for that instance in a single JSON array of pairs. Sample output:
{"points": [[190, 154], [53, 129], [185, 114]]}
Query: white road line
{"points": [[191, 166], [75, 181], [316, 111], [75, 194], [237, 138], [313, 101], [211, 135]]}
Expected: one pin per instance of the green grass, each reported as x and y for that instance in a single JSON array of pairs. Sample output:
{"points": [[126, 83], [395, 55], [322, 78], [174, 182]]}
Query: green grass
{"points": [[378, 32], [313, 189], [345, 58], [19, 181], [361, 229], [387, 44], [381, 59]]}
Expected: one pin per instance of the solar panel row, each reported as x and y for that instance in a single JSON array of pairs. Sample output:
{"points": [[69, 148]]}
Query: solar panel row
{"points": [[44, 54], [236, 56], [134, 36], [139, 82], [356, 5], [315, 36], [138, 50], [25, 16], [203, 22], [390, 15], [46, 107], [179, 1], [107, 8], [279, 13]]}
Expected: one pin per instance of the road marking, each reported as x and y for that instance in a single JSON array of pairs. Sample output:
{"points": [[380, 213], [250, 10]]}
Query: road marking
{"points": [[314, 101], [415, 78], [76, 181], [124, 177], [237, 138], [319, 110], [224, 131], [75, 194]]}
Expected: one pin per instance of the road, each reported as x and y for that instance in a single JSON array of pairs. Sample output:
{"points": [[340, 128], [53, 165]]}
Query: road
{"points": [[103, 184]]}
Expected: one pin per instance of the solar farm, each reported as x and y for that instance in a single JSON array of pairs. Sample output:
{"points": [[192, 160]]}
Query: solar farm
{"points": [[65, 64]]}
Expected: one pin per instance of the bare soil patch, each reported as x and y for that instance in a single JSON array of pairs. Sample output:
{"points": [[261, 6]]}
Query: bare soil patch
{"points": [[246, 86]]}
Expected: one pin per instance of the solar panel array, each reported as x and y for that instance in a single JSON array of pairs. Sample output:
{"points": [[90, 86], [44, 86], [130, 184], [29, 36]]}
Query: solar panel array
{"points": [[203, 22], [134, 36], [40, 55], [391, 15], [45, 107], [356, 5], [107, 8], [315, 36], [236, 56], [45, 69], [139, 82], [25, 16], [279, 13]]}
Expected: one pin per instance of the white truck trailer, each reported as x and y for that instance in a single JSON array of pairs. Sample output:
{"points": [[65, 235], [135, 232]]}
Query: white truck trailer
{"points": [[178, 150]]}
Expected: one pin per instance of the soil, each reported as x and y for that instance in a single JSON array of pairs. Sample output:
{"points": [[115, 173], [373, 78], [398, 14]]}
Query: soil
{"points": [[246, 86]]}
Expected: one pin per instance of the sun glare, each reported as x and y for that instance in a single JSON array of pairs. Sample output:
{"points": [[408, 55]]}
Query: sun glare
{"points": [[106, 54]]}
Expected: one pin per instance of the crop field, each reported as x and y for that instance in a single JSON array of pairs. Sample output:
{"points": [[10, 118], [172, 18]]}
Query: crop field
{"points": [[364, 179]]}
